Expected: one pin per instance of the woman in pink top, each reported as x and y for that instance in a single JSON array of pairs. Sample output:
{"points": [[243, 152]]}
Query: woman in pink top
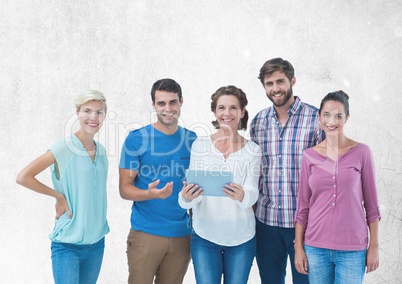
{"points": [[337, 207]]}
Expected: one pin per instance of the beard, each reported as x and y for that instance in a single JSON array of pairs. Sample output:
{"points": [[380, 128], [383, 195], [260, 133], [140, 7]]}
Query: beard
{"points": [[284, 100]]}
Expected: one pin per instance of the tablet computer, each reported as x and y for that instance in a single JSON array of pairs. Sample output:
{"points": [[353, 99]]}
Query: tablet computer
{"points": [[210, 181]]}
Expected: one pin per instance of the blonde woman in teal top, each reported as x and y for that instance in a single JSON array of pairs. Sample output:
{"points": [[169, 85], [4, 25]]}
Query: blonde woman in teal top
{"points": [[79, 168]]}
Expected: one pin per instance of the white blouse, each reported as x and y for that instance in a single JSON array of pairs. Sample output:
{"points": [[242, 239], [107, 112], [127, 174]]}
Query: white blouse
{"points": [[222, 220]]}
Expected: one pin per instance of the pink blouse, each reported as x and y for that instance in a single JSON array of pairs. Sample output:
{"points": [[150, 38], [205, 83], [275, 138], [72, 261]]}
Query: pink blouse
{"points": [[337, 200]]}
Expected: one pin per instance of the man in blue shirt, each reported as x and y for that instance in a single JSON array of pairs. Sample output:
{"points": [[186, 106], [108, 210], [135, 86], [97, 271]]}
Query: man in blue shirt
{"points": [[152, 167]]}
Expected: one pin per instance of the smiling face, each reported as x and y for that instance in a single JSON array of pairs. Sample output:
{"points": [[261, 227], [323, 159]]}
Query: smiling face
{"points": [[167, 106], [278, 88], [333, 117], [228, 112], [91, 116]]}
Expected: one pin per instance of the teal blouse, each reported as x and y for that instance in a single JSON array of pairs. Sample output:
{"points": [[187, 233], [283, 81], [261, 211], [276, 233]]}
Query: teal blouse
{"points": [[83, 183]]}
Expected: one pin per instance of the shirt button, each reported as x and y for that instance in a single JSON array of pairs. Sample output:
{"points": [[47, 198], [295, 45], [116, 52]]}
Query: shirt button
{"points": [[333, 177], [334, 195], [280, 190], [279, 206], [280, 156], [334, 185], [333, 204]]}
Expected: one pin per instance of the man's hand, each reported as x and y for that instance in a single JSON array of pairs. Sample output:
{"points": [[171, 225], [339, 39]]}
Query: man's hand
{"points": [[162, 193]]}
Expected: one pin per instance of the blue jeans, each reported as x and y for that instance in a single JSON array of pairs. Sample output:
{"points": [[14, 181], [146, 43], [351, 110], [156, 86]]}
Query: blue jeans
{"points": [[74, 264], [327, 266], [211, 261], [274, 245]]}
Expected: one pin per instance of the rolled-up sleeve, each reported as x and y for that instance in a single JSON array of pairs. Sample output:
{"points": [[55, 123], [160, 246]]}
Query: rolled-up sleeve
{"points": [[304, 193], [370, 197]]}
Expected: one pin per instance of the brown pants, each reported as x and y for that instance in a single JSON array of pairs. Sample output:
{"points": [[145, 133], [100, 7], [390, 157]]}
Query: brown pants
{"points": [[151, 256]]}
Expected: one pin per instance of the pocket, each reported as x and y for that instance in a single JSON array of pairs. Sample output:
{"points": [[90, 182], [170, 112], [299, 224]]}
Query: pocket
{"points": [[132, 235]]}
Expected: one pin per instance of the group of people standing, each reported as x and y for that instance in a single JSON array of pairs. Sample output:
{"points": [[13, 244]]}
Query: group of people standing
{"points": [[301, 189]]}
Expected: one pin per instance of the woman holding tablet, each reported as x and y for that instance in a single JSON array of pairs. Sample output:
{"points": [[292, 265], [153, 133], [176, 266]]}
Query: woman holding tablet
{"points": [[223, 239], [79, 168]]}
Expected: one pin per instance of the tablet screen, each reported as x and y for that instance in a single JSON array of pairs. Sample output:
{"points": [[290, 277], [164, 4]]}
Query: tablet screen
{"points": [[210, 181]]}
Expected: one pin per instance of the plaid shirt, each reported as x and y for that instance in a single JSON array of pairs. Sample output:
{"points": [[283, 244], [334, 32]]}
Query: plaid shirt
{"points": [[282, 153]]}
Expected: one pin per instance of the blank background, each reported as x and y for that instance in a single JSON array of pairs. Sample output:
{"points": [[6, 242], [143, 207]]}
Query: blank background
{"points": [[53, 50]]}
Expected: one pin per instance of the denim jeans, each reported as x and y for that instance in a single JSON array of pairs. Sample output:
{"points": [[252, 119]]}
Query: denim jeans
{"points": [[211, 261], [326, 266], [274, 245], [74, 264]]}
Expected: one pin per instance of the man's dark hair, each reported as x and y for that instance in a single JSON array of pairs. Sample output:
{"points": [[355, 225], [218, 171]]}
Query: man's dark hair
{"points": [[276, 64], [168, 85]]}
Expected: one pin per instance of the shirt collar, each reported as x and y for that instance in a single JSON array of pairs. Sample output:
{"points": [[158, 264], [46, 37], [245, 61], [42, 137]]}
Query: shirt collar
{"points": [[292, 108], [295, 106]]}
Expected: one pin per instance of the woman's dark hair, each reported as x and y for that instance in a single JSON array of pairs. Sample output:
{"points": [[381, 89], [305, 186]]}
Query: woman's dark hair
{"points": [[338, 96], [231, 91]]}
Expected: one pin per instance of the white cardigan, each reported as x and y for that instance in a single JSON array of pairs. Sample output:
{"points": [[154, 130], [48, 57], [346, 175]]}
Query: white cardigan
{"points": [[222, 220]]}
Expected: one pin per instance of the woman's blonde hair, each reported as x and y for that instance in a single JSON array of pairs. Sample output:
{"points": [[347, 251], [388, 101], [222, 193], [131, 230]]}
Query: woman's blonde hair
{"points": [[90, 95]]}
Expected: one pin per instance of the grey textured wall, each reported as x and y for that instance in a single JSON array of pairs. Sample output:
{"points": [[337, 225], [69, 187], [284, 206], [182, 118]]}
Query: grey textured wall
{"points": [[52, 50]]}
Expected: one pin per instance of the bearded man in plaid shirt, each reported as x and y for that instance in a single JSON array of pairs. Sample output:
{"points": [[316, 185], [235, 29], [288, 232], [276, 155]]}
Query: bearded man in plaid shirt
{"points": [[283, 131]]}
